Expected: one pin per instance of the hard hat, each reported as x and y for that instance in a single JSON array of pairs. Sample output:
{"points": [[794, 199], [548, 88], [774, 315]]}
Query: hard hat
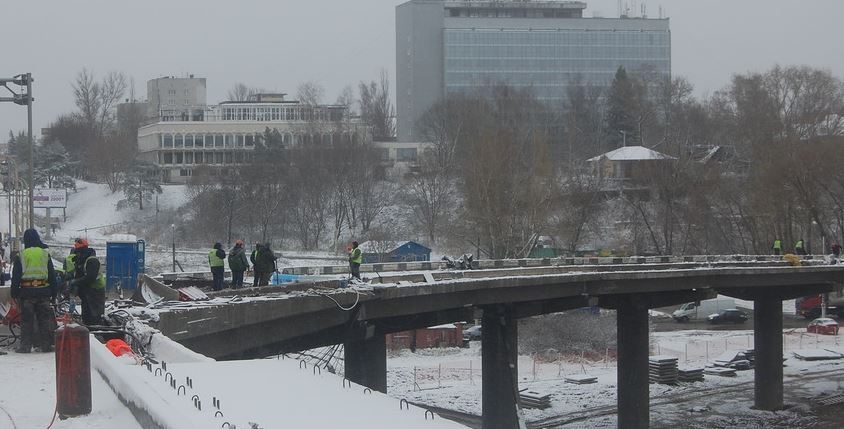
{"points": [[80, 243]]}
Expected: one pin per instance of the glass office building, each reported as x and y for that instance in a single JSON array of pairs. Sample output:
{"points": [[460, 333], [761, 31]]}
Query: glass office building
{"points": [[452, 46]]}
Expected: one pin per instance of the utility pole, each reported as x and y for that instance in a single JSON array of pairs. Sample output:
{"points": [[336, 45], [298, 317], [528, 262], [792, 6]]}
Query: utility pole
{"points": [[22, 98], [31, 145]]}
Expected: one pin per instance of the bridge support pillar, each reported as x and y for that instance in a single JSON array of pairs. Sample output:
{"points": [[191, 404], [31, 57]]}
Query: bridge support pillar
{"points": [[499, 342], [633, 349], [767, 339], [366, 362]]}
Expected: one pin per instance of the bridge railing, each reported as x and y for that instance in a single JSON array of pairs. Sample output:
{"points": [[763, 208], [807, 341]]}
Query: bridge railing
{"points": [[539, 262]]}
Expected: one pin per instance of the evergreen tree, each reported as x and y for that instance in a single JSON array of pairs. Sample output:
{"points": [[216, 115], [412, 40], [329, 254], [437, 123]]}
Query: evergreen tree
{"points": [[18, 147], [621, 107], [53, 167], [140, 183]]}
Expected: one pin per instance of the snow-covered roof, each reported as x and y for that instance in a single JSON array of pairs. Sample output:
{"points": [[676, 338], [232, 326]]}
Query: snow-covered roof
{"points": [[381, 246], [632, 153], [373, 246]]}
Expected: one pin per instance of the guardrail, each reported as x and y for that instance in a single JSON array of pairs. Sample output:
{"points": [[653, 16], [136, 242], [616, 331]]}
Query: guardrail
{"points": [[540, 262]]}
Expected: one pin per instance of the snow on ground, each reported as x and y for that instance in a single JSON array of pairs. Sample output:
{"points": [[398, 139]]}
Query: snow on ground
{"points": [[28, 397], [451, 378], [94, 205]]}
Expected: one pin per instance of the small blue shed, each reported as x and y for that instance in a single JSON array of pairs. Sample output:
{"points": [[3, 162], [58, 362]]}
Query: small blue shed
{"points": [[394, 251], [124, 261]]}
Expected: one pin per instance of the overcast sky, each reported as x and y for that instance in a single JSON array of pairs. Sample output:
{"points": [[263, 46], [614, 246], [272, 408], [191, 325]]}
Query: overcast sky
{"points": [[276, 44]]}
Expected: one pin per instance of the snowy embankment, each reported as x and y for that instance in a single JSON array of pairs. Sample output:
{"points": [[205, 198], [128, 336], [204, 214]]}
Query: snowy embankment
{"points": [[92, 209]]}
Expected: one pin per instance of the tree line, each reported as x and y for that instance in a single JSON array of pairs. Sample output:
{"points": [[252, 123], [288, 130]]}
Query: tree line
{"points": [[755, 161]]}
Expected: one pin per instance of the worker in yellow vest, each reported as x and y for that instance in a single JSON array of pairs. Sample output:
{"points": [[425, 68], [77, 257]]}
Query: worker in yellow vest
{"points": [[34, 288], [355, 259], [89, 283], [216, 259]]}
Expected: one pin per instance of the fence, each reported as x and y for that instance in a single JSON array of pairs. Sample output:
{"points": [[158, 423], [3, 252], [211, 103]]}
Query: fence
{"points": [[557, 367]]}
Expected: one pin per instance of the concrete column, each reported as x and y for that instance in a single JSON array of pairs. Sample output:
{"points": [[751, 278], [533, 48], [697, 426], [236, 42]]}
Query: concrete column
{"points": [[499, 342], [366, 362], [767, 339], [633, 350]]}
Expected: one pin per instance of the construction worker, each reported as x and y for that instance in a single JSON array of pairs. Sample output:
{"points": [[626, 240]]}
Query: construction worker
{"points": [[777, 247], [256, 275], [355, 259], [216, 259], [69, 267], [800, 247], [34, 288], [88, 283], [238, 264], [265, 264]]}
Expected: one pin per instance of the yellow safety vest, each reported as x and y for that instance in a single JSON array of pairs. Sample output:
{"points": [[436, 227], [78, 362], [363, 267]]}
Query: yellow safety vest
{"points": [[34, 264]]}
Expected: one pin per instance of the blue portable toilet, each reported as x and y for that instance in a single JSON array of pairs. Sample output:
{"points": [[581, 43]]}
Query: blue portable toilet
{"points": [[124, 261]]}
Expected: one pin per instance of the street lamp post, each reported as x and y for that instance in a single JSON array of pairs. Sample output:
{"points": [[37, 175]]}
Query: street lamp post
{"points": [[23, 99]]}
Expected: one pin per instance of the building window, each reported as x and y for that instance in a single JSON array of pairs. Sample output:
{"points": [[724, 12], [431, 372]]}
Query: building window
{"points": [[179, 158], [185, 172], [168, 141], [250, 141], [171, 92], [406, 155], [238, 157], [229, 140], [198, 159], [229, 159], [188, 157], [218, 157], [187, 92], [189, 141], [239, 142], [179, 141], [218, 141], [168, 158]]}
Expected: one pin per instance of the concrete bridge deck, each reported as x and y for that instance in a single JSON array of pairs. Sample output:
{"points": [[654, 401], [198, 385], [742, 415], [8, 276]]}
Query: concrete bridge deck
{"points": [[359, 318]]}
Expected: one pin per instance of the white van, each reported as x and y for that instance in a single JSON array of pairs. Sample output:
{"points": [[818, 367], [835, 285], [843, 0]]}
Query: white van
{"points": [[694, 311]]}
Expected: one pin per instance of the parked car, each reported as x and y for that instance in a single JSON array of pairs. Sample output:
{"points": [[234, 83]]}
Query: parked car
{"points": [[699, 310], [472, 333], [731, 315], [823, 326]]}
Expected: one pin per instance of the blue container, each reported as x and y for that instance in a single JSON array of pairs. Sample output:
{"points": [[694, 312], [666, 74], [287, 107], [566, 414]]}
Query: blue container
{"points": [[279, 278], [124, 261]]}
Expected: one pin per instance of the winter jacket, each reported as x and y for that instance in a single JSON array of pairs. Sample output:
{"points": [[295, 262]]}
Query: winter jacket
{"points": [[265, 260], [87, 271], [237, 259], [31, 239]]}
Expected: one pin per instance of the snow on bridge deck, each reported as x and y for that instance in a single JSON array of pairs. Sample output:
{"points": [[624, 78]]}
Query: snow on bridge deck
{"points": [[272, 393]]}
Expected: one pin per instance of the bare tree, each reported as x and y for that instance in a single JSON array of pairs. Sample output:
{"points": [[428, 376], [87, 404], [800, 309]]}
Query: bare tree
{"points": [[376, 107], [242, 92], [310, 93], [347, 98]]}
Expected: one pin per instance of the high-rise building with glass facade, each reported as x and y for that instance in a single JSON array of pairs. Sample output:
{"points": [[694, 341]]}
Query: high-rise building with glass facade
{"points": [[446, 46]]}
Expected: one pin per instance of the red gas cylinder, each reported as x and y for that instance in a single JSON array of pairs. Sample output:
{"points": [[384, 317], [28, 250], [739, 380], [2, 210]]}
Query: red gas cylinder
{"points": [[73, 370]]}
